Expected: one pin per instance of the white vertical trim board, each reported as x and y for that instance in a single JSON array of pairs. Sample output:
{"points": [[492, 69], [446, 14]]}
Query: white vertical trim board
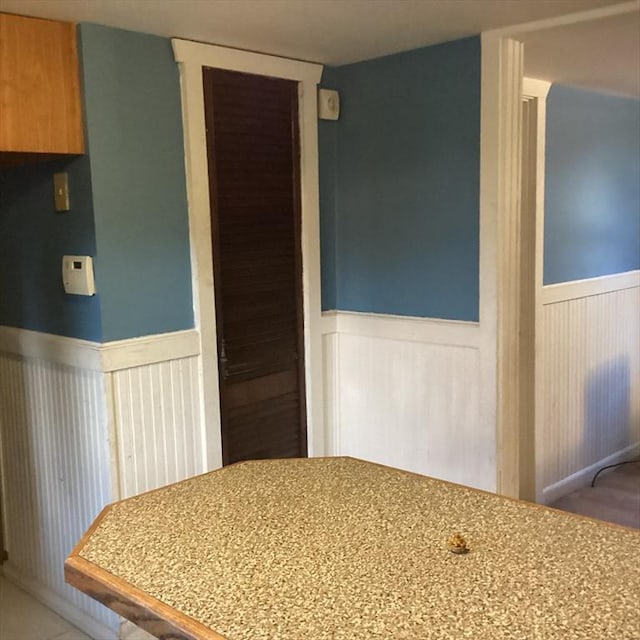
{"points": [[526, 422], [535, 92], [500, 161], [191, 58]]}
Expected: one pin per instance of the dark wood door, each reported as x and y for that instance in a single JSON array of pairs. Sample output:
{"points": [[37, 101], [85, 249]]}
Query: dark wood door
{"points": [[254, 178]]}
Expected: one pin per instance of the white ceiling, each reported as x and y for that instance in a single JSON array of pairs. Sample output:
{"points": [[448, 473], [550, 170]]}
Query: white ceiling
{"points": [[327, 31], [338, 32], [602, 54]]}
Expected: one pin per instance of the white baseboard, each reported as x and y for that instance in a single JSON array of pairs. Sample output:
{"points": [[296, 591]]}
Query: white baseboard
{"points": [[93, 628], [583, 477]]}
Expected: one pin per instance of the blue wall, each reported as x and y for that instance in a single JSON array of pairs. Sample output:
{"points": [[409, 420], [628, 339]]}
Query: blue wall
{"points": [[134, 125], [592, 185], [402, 224], [399, 179], [129, 207], [33, 239]]}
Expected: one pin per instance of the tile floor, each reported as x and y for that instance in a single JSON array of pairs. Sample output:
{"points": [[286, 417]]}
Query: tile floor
{"points": [[24, 618]]}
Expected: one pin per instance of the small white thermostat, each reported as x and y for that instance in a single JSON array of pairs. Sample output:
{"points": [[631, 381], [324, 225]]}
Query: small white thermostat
{"points": [[77, 275], [328, 104]]}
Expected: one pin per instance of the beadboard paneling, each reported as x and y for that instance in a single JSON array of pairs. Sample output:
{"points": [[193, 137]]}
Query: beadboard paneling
{"points": [[590, 383], [408, 403], [84, 424], [56, 475], [330, 353], [157, 417]]}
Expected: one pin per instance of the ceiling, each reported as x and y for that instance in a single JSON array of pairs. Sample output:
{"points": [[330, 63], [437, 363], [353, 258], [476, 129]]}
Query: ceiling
{"points": [[600, 56]]}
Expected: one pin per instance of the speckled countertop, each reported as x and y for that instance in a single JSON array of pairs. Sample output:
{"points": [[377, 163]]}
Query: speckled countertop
{"points": [[340, 549]]}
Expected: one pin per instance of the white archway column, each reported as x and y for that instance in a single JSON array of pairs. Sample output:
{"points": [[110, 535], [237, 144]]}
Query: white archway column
{"points": [[500, 176]]}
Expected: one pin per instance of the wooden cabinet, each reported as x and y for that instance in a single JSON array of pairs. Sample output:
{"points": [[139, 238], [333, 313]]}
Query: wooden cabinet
{"points": [[40, 108]]}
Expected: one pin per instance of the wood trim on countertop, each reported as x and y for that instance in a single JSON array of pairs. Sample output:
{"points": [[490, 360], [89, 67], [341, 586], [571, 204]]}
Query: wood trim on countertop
{"points": [[145, 611], [131, 603]]}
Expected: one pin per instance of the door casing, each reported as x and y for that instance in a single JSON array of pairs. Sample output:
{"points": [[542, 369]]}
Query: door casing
{"points": [[534, 95], [191, 58]]}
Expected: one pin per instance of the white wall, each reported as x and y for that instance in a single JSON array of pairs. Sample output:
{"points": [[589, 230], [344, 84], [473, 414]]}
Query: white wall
{"points": [[406, 392], [589, 372]]}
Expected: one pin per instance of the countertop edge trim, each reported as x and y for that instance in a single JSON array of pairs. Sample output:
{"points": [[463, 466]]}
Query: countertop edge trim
{"points": [[143, 610]]}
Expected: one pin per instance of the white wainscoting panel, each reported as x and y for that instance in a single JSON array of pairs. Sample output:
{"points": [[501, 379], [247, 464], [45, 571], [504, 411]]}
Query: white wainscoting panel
{"points": [[56, 477], [411, 401], [156, 411], [590, 383], [83, 424]]}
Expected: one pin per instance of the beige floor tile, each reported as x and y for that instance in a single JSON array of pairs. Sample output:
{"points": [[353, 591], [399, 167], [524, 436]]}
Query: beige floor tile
{"points": [[24, 618]]}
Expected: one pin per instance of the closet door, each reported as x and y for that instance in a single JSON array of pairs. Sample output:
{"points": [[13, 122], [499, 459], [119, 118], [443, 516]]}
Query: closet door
{"points": [[254, 183]]}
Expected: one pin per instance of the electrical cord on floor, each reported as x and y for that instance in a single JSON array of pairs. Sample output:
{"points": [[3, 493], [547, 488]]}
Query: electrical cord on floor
{"points": [[610, 466]]}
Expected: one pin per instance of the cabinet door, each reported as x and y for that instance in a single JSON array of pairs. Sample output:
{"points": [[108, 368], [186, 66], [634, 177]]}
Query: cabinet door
{"points": [[39, 86]]}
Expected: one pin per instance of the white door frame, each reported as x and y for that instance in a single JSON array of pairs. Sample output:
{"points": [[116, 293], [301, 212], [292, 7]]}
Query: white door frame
{"points": [[534, 93], [500, 169], [191, 58]]}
